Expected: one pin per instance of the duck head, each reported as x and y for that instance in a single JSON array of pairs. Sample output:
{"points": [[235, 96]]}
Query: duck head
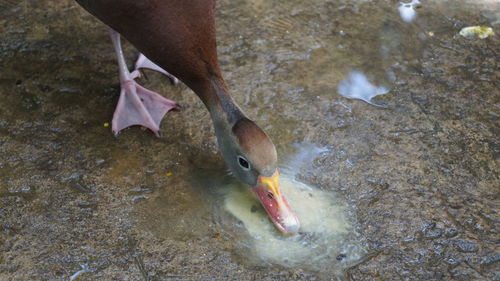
{"points": [[251, 157]]}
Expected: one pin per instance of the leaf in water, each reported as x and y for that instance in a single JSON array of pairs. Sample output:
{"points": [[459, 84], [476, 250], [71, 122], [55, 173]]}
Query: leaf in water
{"points": [[476, 31], [357, 86]]}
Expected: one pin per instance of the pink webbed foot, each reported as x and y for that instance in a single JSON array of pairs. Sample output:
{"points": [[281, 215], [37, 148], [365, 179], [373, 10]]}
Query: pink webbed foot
{"points": [[144, 62], [140, 106], [137, 105]]}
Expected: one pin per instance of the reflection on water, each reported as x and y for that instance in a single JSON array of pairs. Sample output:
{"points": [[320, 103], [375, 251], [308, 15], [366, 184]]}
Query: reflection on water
{"points": [[357, 86], [303, 156], [85, 268], [407, 11]]}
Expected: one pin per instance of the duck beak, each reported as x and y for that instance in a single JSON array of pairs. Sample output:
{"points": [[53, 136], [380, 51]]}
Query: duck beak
{"points": [[275, 204]]}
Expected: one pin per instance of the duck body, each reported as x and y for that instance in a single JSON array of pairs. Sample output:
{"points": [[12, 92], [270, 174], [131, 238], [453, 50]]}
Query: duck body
{"points": [[179, 36]]}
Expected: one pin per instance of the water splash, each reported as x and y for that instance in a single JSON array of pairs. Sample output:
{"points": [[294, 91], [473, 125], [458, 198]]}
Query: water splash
{"points": [[357, 86]]}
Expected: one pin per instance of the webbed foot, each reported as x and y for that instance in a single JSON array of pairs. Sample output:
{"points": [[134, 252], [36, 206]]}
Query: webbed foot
{"points": [[137, 105]]}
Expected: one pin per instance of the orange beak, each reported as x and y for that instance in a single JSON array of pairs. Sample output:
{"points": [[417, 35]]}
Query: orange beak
{"points": [[275, 204]]}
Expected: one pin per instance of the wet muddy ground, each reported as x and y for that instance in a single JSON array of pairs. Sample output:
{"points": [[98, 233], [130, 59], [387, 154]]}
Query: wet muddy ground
{"points": [[420, 174]]}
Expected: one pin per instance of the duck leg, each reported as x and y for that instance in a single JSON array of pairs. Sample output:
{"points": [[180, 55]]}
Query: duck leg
{"points": [[144, 62], [136, 105]]}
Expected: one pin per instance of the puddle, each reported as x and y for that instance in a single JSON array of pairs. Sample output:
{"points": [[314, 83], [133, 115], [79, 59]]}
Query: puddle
{"points": [[215, 205]]}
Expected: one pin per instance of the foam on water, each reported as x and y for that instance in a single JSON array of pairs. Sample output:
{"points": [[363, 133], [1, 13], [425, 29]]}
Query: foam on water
{"points": [[326, 242]]}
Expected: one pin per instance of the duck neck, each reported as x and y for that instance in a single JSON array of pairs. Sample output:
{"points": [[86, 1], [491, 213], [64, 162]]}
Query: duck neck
{"points": [[223, 109]]}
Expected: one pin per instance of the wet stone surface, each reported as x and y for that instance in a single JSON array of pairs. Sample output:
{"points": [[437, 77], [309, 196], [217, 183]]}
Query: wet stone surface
{"points": [[420, 174]]}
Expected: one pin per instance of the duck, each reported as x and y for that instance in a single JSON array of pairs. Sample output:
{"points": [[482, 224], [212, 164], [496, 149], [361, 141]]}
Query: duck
{"points": [[178, 39]]}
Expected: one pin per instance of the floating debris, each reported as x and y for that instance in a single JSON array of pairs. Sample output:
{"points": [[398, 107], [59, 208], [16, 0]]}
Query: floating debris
{"points": [[476, 31], [169, 174], [357, 86], [407, 10]]}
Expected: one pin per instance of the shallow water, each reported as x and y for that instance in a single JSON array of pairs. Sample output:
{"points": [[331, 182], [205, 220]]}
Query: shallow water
{"points": [[326, 244], [413, 182]]}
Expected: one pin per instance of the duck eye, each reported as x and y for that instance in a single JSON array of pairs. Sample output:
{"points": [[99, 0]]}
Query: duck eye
{"points": [[243, 163]]}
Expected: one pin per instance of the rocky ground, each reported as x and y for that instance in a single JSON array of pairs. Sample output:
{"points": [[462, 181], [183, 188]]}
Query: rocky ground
{"points": [[421, 173]]}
